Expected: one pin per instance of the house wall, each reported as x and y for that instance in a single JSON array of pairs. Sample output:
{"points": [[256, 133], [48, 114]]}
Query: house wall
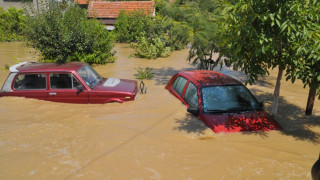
{"points": [[107, 21], [5, 4], [36, 4]]}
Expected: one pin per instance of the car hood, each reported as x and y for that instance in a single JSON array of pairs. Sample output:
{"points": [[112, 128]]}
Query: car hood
{"points": [[240, 122], [116, 85]]}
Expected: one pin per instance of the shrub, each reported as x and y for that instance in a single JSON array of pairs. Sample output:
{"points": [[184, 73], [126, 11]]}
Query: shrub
{"points": [[64, 34], [6, 67], [154, 36], [144, 73], [12, 23], [151, 48]]}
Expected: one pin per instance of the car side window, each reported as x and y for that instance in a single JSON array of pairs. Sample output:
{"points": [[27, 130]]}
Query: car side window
{"points": [[191, 96], [63, 81], [179, 84], [30, 82]]}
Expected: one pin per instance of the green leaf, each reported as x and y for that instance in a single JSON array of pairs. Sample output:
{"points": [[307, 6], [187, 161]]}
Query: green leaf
{"points": [[284, 26], [278, 23]]}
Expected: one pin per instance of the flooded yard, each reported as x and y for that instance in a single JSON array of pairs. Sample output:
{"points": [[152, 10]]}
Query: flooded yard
{"points": [[153, 137]]}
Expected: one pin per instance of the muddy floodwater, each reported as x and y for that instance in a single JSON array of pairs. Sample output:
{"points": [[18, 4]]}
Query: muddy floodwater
{"points": [[153, 137]]}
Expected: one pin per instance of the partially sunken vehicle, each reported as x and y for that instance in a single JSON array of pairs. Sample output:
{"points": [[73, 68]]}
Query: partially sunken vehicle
{"points": [[69, 83], [221, 102]]}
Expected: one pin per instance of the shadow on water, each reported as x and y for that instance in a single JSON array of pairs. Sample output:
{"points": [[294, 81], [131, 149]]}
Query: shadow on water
{"points": [[238, 75], [265, 81], [290, 116], [163, 75], [190, 124]]}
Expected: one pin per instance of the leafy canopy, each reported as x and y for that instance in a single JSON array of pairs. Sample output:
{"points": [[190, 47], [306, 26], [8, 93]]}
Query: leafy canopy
{"points": [[152, 37], [264, 34], [66, 34], [12, 23]]}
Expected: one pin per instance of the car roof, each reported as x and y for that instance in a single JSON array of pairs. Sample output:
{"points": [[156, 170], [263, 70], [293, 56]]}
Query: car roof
{"points": [[36, 67], [210, 78]]}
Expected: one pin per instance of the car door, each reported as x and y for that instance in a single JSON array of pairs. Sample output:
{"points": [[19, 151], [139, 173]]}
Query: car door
{"points": [[30, 85], [63, 88]]}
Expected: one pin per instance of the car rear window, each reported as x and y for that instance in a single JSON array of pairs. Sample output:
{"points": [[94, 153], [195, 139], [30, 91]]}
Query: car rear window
{"points": [[30, 82], [179, 84]]}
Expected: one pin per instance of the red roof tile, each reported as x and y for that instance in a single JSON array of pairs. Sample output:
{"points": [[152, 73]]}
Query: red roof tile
{"points": [[81, 1], [111, 9]]}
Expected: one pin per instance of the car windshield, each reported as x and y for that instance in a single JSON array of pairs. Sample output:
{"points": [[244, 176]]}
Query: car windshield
{"points": [[232, 98], [89, 75]]}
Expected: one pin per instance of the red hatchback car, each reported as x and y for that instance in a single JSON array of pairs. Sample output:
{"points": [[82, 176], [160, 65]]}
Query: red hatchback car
{"points": [[69, 83], [221, 102]]}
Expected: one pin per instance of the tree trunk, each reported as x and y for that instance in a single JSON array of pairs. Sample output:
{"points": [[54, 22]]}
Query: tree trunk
{"points": [[311, 97], [277, 92]]}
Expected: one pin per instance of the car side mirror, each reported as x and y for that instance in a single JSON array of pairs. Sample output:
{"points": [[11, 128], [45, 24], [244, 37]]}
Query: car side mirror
{"points": [[79, 88], [194, 111]]}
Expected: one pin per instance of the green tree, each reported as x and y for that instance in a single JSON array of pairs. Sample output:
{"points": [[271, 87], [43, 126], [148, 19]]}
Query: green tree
{"points": [[202, 18], [181, 12], [264, 34], [64, 34], [152, 37], [12, 23], [205, 45], [306, 39], [130, 26]]}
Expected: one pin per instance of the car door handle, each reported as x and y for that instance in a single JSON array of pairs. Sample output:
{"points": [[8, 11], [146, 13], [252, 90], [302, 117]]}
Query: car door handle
{"points": [[52, 94]]}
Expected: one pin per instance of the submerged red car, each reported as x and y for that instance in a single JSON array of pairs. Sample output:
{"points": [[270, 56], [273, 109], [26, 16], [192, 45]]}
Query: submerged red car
{"points": [[221, 102], [69, 83]]}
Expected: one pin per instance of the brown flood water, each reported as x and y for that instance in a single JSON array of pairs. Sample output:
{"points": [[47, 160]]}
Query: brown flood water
{"points": [[151, 138]]}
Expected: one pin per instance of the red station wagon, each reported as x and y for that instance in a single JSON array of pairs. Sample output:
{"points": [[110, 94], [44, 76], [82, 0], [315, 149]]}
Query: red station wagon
{"points": [[69, 83], [221, 102]]}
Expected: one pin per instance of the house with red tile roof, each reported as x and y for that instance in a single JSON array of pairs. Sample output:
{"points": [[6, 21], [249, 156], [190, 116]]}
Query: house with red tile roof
{"points": [[107, 11]]}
